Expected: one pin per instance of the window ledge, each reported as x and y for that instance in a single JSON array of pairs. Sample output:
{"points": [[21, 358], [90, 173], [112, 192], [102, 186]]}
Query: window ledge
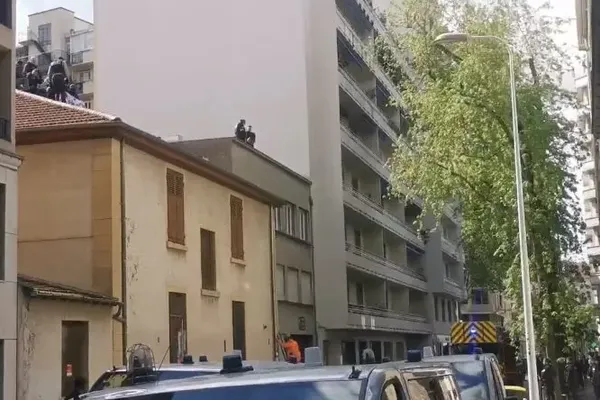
{"points": [[176, 246], [237, 261], [210, 293]]}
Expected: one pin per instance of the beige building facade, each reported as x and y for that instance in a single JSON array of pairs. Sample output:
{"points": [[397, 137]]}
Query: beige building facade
{"points": [[127, 240], [9, 163]]}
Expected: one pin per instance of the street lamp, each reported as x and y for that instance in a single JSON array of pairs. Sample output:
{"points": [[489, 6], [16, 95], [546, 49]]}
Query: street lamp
{"points": [[455, 37]]}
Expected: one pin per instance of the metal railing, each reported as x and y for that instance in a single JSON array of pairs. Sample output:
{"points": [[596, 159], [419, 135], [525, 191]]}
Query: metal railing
{"points": [[362, 48], [415, 273], [378, 207], [359, 96], [384, 312]]}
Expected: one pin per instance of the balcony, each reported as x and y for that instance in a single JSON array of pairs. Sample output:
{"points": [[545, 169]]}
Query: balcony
{"points": [[454, 289], [589, 192], [82, 58], [363, 50], [374, 264], [353, 143], [452, 249], [363, 317], [85, 87], [592, 221], [348, 85], [375, 212], [588, 165], [593, 249]]}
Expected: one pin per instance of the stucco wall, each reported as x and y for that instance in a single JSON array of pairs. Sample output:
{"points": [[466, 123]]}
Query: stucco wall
{"points": [[40, 344], [153, 269]]}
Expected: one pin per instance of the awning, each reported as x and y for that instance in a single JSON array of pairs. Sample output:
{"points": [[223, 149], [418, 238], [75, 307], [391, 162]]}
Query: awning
{"points": [[42, 289]]}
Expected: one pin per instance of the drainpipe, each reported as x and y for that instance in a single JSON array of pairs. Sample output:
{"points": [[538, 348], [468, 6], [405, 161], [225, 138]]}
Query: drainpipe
{"points": [[123, 251], [312, 255], [275, 301]]}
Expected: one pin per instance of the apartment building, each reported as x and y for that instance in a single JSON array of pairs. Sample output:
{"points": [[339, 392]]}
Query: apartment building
{"points": [[483, 305], [301, 75], [293, 237], [588, 31], [126, 239], [59, 33], [9, 163]]}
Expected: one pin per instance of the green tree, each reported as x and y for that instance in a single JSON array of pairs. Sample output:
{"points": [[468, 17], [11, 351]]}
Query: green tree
{"points": [[459, 146]]}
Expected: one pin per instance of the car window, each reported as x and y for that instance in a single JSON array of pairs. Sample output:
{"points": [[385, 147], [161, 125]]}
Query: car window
{"points": [[390, 392], [322, 390], [471, 379], [430, 388]]}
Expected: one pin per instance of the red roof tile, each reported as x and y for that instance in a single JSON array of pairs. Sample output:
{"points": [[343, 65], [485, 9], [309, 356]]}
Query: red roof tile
{"points": [[39, 112]]}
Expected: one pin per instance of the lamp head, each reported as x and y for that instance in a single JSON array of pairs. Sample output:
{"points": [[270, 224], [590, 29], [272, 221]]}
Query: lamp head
{"points": [[452, 37]]}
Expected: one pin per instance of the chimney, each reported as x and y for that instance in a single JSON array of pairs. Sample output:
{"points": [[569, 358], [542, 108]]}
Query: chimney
{"points": [[173, 139]]}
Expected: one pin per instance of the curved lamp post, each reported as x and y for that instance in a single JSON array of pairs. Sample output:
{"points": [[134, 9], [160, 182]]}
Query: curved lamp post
{"points": [[456, 37]]}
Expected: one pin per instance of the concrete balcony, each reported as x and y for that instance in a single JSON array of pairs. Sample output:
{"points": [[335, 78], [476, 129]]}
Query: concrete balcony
{"points": [[589, 192], [479, 309], [454, 289], [362, 48], [587, 165], [348, 85], [357, 147], [363, 317], [592, 221], [593, 249], [82, 59], [373, 264], [376, 213], [452, 249]]}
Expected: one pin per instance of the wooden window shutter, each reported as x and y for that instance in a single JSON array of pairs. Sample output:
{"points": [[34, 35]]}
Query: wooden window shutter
{"points": [[237, 228], [175, 207], [208, 260]]}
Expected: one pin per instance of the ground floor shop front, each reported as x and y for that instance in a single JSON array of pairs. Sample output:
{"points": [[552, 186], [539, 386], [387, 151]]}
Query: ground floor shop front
{"points": [[346, 347]]}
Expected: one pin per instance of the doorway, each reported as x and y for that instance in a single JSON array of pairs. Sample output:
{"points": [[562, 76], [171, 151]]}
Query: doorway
{"points": [[238, 322], [177, 327], [75, 354], [304, 341]]}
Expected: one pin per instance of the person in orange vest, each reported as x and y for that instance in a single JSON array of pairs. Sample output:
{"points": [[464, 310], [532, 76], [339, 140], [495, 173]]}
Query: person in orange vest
{"points": [[292, 349]]}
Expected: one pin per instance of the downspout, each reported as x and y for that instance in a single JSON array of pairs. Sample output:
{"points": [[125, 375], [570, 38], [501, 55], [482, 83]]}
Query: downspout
{"points": [[312, 256], [123, 251], [274, 302]]}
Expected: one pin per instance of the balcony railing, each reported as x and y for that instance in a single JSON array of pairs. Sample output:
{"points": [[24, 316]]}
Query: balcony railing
{"points": [[410, 233], [359, 96], [367, 55], [386, 313], [5, 131], [414, 272]]}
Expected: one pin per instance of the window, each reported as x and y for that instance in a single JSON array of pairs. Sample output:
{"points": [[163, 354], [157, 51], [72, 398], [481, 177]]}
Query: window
{"points": [[450, 309], [303, 227], [480, 296], [291, 285], [388, 350], [355, 184], [284, 220], [399, 351], [6, 20], [360, 294], [357, 238], [389, 392], [175, 207], [306, 287], [431, 387], [208, 259], [471, 379], [436, 309], [45, 35], [237, 228], [2, 230], [447, 269], [280, 276], [88, 104], [443, 310]]}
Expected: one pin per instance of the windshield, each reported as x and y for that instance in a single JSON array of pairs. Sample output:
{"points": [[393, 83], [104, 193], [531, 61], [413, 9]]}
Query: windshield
{"points": [[471, 379], [116, 379], [323, 390]]}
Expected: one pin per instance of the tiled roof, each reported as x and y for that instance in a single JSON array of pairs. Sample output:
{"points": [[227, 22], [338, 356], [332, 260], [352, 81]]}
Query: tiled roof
{"points": [[39, 112], [54, 291]]}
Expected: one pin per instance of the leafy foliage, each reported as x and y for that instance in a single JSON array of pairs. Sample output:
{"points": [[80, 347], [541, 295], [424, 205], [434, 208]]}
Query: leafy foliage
{"points": [[459, 146]]}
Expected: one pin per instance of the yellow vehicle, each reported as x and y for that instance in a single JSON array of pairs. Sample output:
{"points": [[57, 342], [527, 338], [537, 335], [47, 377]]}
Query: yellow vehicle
{"points": [[466, 337]]}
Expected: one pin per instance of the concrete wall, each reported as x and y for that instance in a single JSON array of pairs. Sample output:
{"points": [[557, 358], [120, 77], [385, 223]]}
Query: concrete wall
{"points": [[40, 344], [154, 270], [70, 217]]}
